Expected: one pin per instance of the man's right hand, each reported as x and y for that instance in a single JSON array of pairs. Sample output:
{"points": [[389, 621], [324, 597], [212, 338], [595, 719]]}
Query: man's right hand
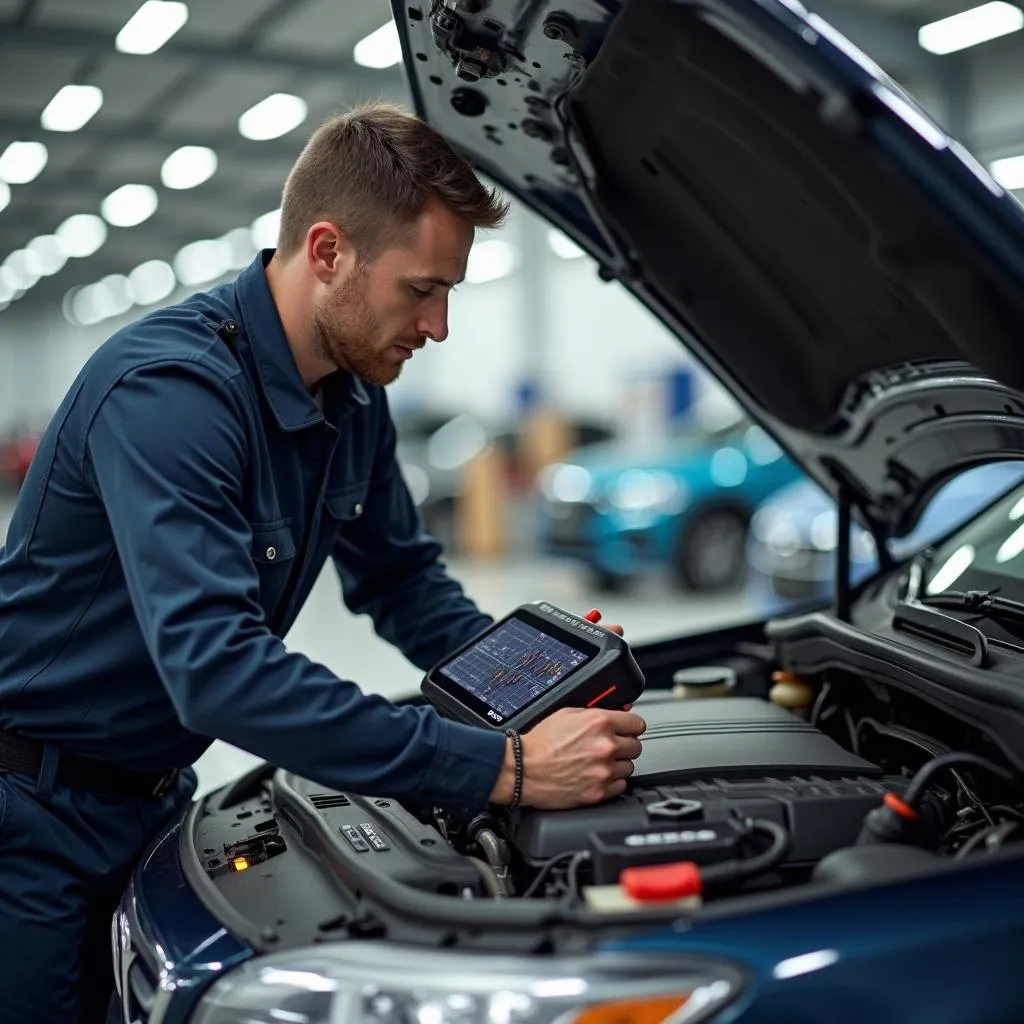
{"points": [[575, 757]]}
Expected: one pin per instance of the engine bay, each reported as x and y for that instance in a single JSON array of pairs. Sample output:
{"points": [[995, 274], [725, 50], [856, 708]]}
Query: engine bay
{"points": [[733, 797]]}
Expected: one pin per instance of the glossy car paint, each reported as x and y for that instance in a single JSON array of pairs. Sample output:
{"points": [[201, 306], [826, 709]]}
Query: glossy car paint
{"points": [[944, 950], [162, 922]]}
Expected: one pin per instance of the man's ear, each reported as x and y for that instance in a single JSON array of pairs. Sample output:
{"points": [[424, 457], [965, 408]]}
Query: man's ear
{"points": [[329, 252]]}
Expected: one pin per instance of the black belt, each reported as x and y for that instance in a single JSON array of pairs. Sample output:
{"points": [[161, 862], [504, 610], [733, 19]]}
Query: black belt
{"points": [[18, 754]]}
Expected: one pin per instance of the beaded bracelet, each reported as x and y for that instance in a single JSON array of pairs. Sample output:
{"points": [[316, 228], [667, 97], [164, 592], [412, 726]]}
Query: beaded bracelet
{"points": [[517, 753]]}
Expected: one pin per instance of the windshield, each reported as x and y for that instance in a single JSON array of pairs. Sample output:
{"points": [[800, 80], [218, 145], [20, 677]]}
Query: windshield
{"points": [[987, 554]]}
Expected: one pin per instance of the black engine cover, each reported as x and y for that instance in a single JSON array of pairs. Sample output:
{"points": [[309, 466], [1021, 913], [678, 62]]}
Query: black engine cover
{"points": [[710, 760], [735, 737]]}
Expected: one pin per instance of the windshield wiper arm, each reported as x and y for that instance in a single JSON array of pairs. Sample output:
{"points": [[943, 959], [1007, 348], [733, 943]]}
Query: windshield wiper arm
{"points": [[983, 603]]}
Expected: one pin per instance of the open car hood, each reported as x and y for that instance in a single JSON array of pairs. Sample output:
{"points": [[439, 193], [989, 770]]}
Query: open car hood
{"points": [[847, 270]]}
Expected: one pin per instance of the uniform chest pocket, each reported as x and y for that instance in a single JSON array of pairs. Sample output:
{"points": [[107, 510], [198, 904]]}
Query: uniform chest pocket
{"points": [[272, 545], [347, 504], [273, 552]]}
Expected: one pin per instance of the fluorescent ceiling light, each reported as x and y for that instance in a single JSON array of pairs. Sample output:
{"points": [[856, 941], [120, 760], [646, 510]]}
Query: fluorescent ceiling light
{"points": [[203, 261], [241, 249], [90, 305], [129, 205], [151, 26], [563, 246], [21, 162], [1009, 171], [95, 302], [81, 234], [119, 292], [969, 28], [264, 230], [5, 195], [9, 283], [273, 117], [380, 49], [50, 253], [25, 268], [71, 108], [188, 167], [8, 287], [490, 260], [151, 282]]}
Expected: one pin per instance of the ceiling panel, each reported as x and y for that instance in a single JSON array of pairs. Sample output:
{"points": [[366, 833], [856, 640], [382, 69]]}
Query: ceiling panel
{"points": [[218, 102], [30, 78], [137, 161], [35, 213], [130, 83], [71, 152], [223, 20], [94, 14], [335, 97], [327, 26]]}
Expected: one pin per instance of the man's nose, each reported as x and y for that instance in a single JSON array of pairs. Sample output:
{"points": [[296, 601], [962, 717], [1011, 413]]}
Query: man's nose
{"points": [[435, 323]]}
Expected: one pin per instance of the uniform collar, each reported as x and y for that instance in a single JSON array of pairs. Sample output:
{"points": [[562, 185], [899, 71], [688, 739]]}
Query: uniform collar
{"points": [[279, 376]]}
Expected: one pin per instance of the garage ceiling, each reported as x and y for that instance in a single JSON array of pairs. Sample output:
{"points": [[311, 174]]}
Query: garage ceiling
{"points": [[231, 54]]}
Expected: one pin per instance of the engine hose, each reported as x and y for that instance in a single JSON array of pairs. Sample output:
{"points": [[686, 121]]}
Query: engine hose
{"points": [[491, 881], [494, 852], [959, 758], [730, 873]]}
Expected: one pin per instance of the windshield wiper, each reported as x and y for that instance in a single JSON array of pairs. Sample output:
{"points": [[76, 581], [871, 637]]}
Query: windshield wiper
{"points": [[985, 604]]}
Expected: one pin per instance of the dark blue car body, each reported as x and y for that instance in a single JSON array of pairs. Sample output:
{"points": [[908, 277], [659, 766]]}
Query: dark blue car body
{"points": [[944, 948]]}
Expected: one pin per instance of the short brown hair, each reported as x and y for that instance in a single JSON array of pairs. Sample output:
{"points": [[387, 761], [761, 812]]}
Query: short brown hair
{"points": [[370, 171]]}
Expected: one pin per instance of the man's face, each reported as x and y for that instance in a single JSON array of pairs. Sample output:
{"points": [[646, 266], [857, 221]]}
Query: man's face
{"points": [[384, 311]]}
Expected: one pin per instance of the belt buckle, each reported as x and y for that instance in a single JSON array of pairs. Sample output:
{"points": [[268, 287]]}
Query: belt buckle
{"points": [[164, 784]]}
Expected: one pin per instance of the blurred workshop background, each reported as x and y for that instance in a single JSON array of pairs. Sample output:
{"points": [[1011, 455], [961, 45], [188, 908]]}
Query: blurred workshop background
{"points": [[560, 443]]}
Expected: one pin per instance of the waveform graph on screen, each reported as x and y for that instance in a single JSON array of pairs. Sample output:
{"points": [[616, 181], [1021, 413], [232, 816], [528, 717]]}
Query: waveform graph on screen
{"points": [[513, 665]]}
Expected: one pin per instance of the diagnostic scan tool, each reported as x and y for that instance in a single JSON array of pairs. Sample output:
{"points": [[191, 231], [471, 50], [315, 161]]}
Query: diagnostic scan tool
{"points": [[533, 662]]}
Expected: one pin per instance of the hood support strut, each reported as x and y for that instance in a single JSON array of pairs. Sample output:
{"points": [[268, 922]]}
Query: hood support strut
{"points": [[843, 554]]}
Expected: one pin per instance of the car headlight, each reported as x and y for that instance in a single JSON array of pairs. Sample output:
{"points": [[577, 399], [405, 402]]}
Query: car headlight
{"points": [[377, 983], [641, 490], [564, 482]]}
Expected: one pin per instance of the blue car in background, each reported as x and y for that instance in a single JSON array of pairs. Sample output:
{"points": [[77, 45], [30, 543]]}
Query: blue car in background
{"points": [[686, 505], [792, 539]]}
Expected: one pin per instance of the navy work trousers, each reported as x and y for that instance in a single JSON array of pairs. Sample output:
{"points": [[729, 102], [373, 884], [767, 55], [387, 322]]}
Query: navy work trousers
{"points": [[65, 859]]}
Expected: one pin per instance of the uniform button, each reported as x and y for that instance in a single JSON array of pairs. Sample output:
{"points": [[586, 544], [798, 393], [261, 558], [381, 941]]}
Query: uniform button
{"points": [[271, 554], [358, 510]]}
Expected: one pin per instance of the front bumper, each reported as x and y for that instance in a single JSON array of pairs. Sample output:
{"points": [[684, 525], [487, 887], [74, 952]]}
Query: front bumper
{"points": [[167, 947]]}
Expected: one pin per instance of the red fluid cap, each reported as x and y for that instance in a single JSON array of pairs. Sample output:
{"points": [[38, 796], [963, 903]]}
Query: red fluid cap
{"points": [[593, 615], [661, 882], [894, 803]]}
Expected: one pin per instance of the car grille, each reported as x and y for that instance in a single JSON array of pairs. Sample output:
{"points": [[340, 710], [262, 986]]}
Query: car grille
{"points": [[795, 590]]}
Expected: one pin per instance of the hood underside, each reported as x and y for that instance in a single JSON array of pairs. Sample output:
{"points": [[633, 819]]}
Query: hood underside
{"points": [[843, 267]]}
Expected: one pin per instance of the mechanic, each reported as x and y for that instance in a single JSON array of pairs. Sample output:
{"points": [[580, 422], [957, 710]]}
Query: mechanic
{"points": [[189, 489]]}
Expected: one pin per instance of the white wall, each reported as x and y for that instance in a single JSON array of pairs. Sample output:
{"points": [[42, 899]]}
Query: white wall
{"points": [[596, 337], [996, 100]]}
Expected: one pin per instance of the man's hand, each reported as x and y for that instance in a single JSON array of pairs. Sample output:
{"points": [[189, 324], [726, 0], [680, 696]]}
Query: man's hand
{"points": [[577, 756]]}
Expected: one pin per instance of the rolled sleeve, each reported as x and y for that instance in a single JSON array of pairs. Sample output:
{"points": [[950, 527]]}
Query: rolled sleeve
{"points": [[167, 450]]}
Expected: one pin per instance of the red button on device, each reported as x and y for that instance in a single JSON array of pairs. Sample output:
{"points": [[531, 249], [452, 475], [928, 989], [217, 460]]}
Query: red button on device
{"points": [[593, 615], [661, 882]]}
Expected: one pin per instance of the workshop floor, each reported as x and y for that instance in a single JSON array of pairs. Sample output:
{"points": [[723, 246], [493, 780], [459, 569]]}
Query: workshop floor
{"points": [[328, 633]]}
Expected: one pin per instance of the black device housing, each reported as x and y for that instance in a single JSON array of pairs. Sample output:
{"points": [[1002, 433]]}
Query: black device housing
{"points": [[608, 678], [702, 842]]}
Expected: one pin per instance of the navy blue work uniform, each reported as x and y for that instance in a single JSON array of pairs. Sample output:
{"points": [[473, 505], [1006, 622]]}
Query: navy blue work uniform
{"points": [[182, 503]]}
